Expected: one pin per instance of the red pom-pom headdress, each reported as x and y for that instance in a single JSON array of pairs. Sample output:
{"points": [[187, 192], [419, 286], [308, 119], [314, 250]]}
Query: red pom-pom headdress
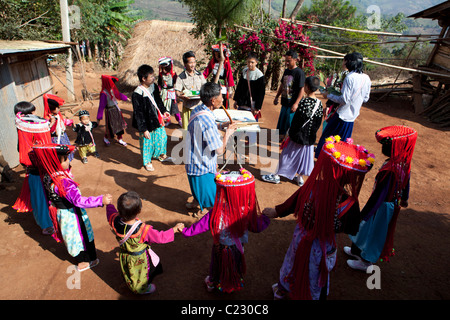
{"points": [[338, 173]]}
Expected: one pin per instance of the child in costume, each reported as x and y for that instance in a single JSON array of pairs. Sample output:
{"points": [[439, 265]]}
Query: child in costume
{"points": [[52, 109], [62, 191], [32, 129], [138, 262], [109, 97], [85, 140], [235, 212], [375, 237], [166, 82], [327, 204], [226, 74], [148, 118], [297, 157]]}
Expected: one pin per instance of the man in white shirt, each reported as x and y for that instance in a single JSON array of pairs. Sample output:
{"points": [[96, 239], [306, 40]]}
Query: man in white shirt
{"points": [[355, 91]]}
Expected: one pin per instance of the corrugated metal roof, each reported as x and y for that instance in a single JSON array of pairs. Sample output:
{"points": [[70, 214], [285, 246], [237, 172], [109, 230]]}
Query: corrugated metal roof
{"points": [[22, 46]]}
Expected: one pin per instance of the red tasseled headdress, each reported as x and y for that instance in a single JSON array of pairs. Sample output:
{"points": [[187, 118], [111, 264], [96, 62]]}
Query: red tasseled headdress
{"points": [[109, 86], [339, 171], [403, 140], [48, 160], [235, 206], [47, 111], [30, 130]]}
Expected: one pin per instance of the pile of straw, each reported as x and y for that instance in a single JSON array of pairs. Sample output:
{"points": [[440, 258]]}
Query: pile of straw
{"points": [[154, 39]]}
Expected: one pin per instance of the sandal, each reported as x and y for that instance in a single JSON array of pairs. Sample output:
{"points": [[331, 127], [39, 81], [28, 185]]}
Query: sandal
{"points": [[91, 265], [106, 141], [149, 167], [165, 158]]}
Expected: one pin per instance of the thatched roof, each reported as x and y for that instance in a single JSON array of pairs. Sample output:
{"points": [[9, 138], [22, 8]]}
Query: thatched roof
{"points": [[154, 39]]}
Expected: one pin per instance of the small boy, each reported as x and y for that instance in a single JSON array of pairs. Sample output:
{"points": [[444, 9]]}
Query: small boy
{"points": [[85, 139], [138, 262], [291, 91], [191, 80]]}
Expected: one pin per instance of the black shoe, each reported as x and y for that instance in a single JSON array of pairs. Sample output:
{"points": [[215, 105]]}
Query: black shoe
{"points": [[96, 154]]}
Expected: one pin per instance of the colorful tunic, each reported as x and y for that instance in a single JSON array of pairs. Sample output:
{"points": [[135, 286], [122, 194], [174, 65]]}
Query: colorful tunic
{"points": [[166, 83], [73, 222], [139, 264], [378, 213], [115, 123]]}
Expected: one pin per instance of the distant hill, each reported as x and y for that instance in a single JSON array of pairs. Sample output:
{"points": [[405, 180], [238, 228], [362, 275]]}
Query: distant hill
{"points": [[173, 10]]}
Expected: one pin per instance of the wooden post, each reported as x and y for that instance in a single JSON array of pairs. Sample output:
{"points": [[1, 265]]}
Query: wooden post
{"points": [[66, 38], [417, 93]]}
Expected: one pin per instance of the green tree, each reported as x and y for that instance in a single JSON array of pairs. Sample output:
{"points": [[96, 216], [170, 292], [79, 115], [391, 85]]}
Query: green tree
{"points": [[216, 16]]}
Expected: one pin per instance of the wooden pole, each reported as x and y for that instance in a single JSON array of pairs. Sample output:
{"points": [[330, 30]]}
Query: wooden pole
{"points": [[66, 38]]}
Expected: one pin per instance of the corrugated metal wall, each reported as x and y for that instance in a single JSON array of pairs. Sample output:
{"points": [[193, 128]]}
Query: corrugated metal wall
{"points": [[22, 78], [8, 132]]}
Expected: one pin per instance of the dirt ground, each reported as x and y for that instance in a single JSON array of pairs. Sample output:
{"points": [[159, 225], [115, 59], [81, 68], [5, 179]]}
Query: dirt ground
{"points": [[35, 267]]}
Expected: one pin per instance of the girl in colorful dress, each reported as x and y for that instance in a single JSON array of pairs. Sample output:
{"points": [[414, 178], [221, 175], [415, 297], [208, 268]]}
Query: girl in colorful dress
{"points": [[74, 225], [138, 262], [235, 212], [109, 97], [375, 237], [326, 205], [32, 129], [297, 157], [52, 109], [148, 118], [166, 82]]}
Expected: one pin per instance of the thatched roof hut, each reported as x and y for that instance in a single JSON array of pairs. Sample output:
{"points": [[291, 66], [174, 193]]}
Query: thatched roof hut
{"points": [[154, 39]]}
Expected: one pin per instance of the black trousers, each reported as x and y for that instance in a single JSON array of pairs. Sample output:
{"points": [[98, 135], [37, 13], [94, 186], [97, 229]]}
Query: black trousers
{"points": [[90, 253]]}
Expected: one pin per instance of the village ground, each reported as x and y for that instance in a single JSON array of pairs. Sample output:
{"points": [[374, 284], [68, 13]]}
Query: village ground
{"points": [[35, 267]]}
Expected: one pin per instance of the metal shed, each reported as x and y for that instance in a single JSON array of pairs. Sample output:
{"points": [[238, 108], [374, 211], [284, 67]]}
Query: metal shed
{"points": [[24, 75]]}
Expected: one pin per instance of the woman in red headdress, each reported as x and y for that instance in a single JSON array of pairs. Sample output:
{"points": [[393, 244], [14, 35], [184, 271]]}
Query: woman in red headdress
{"points": [[325, 205], [32, 129], [109, 97], [73, 224], [375, 237]]}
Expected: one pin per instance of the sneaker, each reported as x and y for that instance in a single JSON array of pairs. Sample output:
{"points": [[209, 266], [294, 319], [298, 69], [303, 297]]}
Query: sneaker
{"points": [[96, 154], [84, 160], [209, 285], [274, 178], [348, 251], [122, 142], [359, 265], [300, 181]]}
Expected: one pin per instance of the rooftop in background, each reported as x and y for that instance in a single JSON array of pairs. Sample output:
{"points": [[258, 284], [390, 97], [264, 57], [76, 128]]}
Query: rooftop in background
{"points": [[440, 11], [23, 46]]}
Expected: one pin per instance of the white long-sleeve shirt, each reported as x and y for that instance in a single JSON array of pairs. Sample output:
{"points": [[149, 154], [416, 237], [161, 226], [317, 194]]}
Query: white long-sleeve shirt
{"points": [[355, 91]]}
